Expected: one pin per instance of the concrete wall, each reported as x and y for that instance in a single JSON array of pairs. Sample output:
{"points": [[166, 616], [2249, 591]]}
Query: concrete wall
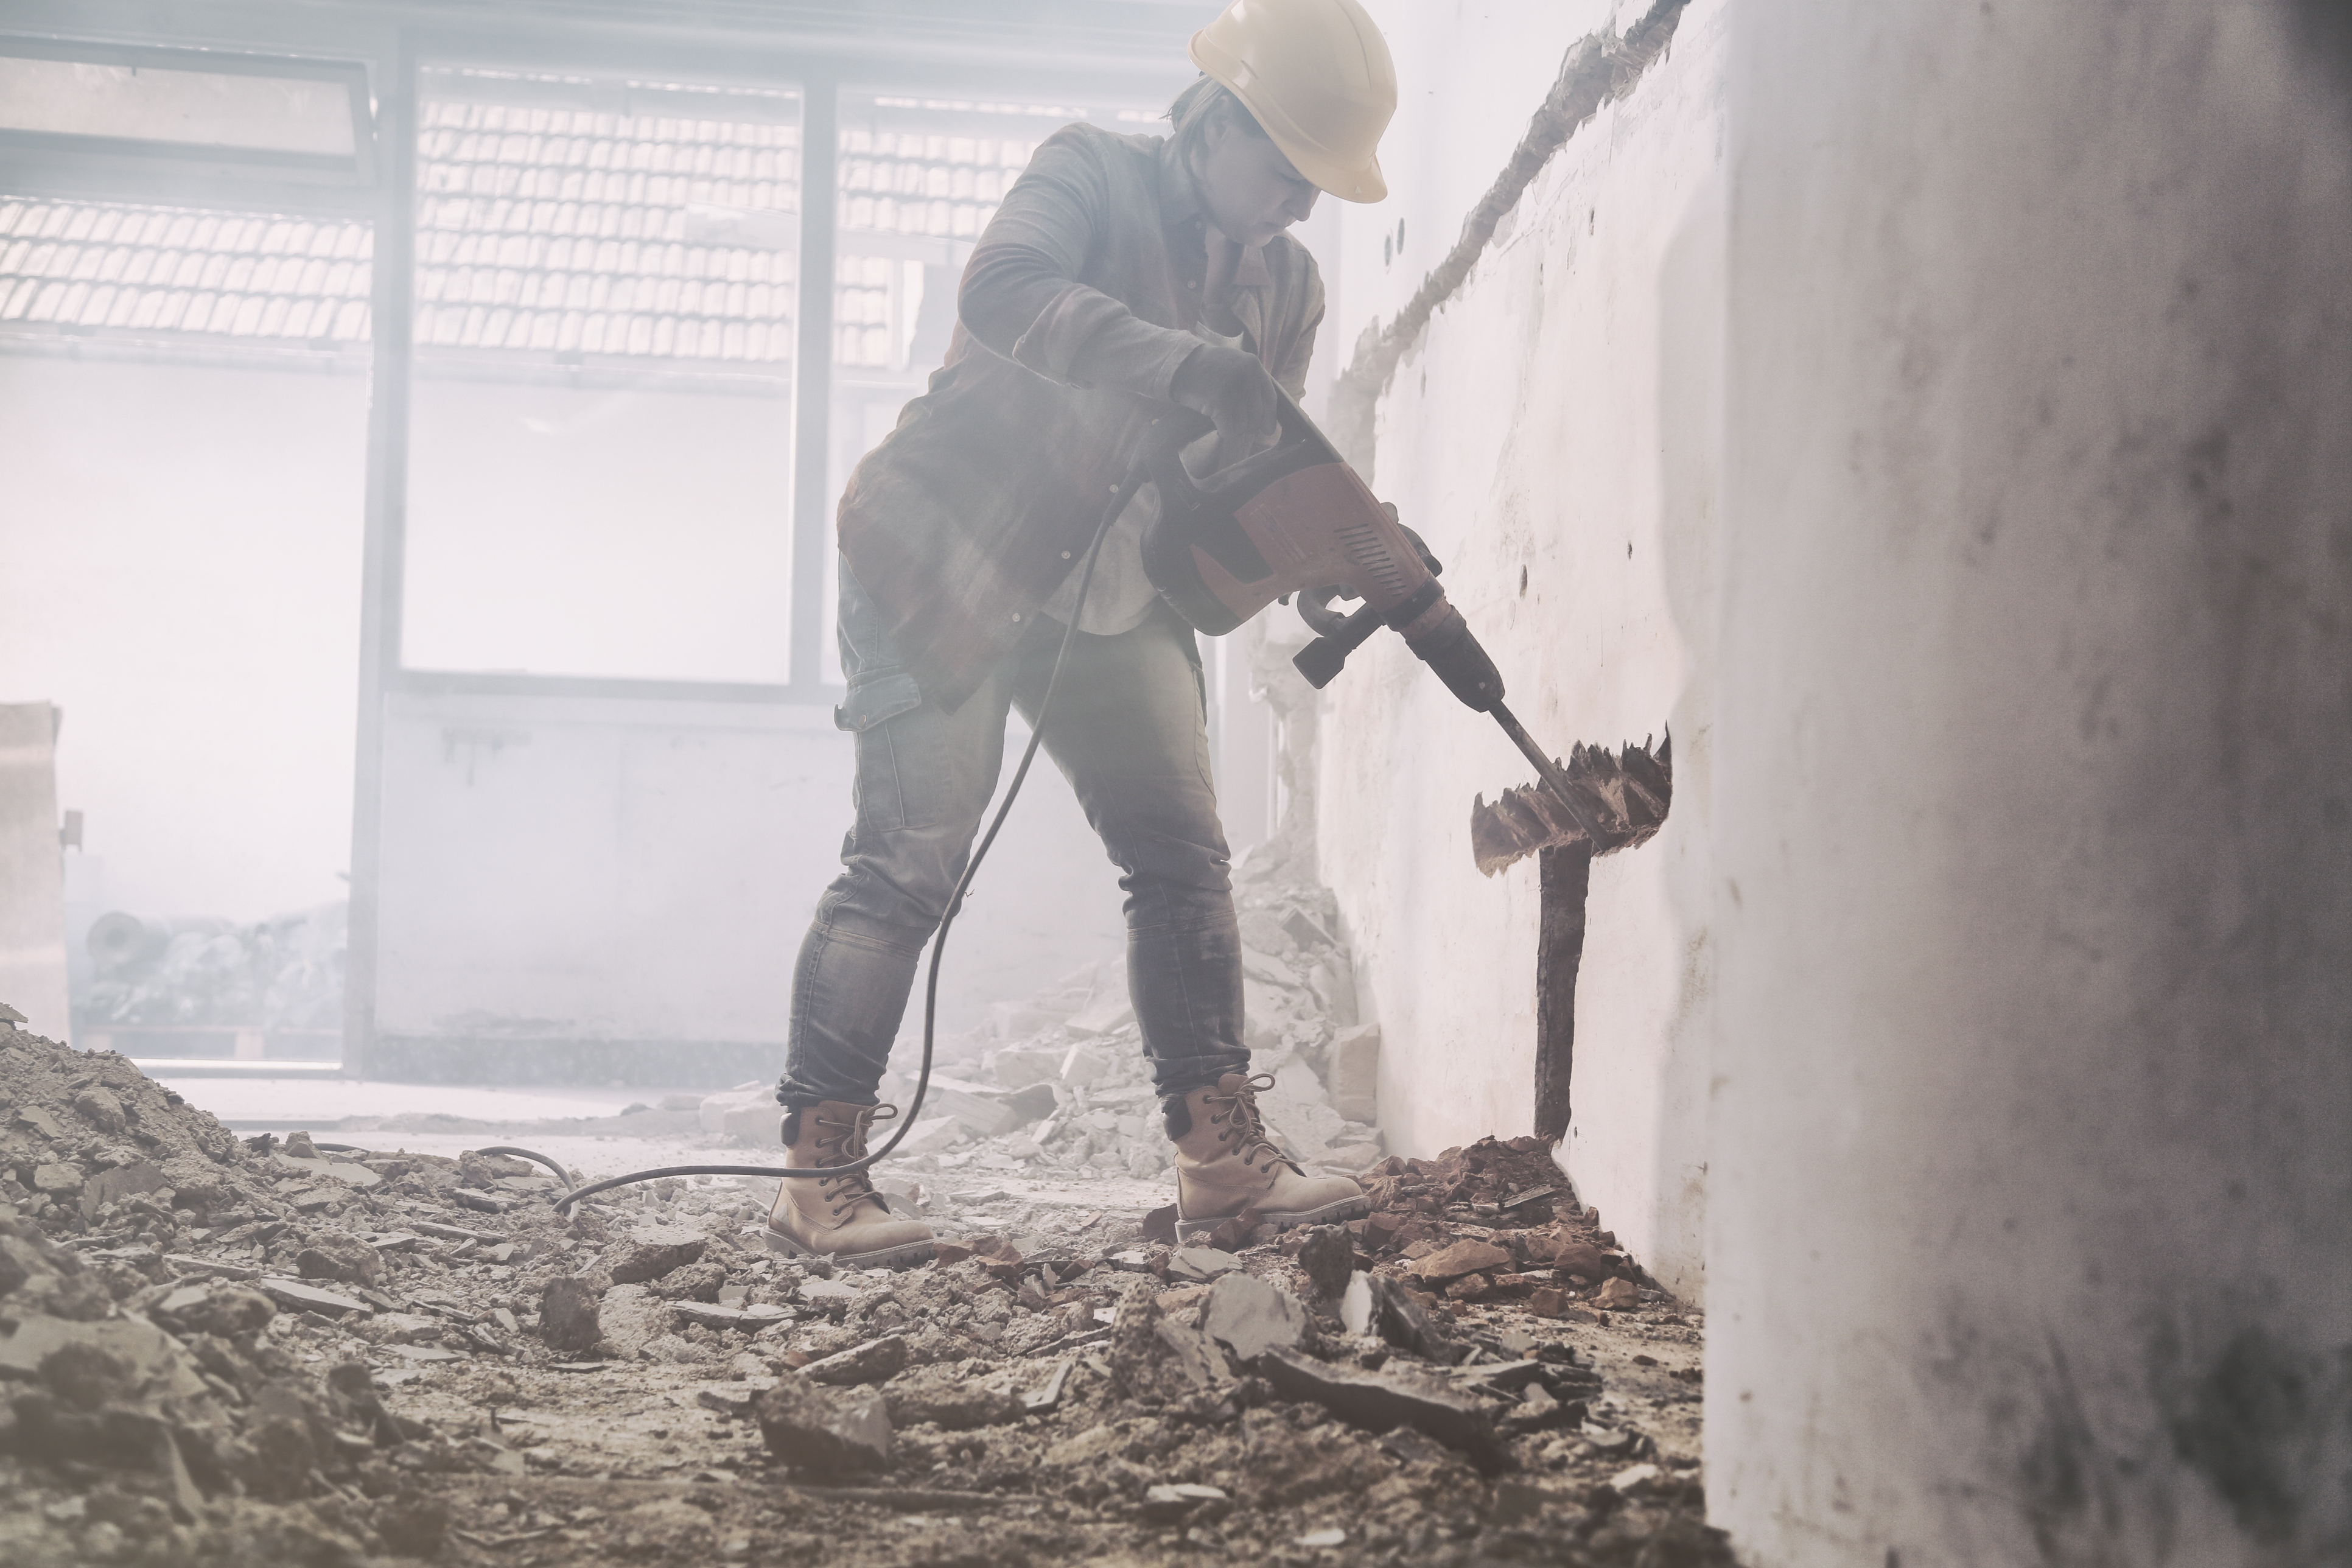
{"points": [[2031, 1230], [1553, 434], [179, 556], [566, 879]]}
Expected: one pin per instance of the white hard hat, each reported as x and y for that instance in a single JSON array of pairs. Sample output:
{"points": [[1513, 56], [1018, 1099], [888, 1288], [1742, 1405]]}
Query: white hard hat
{"points": [[1316, 76]]}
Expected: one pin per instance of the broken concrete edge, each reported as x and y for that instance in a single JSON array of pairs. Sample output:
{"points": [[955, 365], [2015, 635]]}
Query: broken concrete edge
{"points": [[1379, 1404], [1597, 68]]}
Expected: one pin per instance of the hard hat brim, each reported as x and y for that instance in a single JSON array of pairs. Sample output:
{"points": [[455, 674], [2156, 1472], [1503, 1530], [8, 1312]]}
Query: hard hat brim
{"points": [[1363, 182]]}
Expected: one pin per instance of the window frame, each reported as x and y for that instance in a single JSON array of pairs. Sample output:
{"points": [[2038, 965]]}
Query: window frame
{"points": [[193, 173]]}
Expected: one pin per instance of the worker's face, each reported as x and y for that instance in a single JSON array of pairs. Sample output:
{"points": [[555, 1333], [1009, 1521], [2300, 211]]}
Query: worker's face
{"points": [[1249, 188]]}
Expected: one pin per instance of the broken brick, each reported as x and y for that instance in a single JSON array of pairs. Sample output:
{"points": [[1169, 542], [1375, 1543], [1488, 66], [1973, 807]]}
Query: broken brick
{"points": [[1462, 1258]]}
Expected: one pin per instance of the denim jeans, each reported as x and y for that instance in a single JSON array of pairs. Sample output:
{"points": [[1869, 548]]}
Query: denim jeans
{"points": [[1127, 729]]}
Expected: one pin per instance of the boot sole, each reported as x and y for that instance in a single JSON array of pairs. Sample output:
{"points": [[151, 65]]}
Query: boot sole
{"points": [[1346, 1209], [904, 1256]]}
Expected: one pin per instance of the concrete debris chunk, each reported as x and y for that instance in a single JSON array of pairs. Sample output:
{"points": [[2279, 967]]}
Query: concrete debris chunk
{"points": [[1568, 1255], [748, 1113], [652, 1251], [568, 1317], [632, 1319], [820, 1292], [1250, 1316], [344, 1171], [57, 1181], [1551, 1302], [1356, 1306], [1329, 1256], [123, 1182], [1462, 1258], [117, 1358], [735, 1399], [1379, 1402], [340, 1257], [1110, 1011], [1610, 1439], [873, 1362], [1018, 1067], [1539, 1410], [709, 1314], [297, 1297], [950, 1398], [1617, 1295], [1634, 1480], [1508, 1375], [1194, 1354], [98, 1107], [227, 1312], [822, 1431], [1397, 1317], [1201, 1263], [1048, 1396], [932, 1135], [1166, 1503]]}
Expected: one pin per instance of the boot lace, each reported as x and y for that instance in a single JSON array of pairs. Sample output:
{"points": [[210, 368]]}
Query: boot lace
{"points": [[1236, 1114], [837, 1143]]}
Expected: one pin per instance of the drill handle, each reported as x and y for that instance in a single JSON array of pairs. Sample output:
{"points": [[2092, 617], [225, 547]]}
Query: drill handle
{"points": [[1322, 659]]}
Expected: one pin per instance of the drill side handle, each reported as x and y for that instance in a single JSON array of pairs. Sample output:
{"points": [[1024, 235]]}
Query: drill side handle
{"points": [[1320, 660]]}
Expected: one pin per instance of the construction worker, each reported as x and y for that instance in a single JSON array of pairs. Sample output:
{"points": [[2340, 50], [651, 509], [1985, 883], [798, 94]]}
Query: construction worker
{"points": [[1121, 273]]}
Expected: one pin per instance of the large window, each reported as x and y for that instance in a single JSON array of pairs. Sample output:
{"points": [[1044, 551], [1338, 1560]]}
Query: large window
{"points": [[600, 453]]}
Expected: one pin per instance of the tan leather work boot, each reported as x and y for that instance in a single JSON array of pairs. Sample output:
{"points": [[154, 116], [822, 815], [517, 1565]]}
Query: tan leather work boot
{"points": [[1224, 1164], [840, 1216]]}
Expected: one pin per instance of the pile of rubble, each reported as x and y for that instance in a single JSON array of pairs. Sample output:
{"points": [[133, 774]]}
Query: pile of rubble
{"points": [[223, 1351], [286, 972]]}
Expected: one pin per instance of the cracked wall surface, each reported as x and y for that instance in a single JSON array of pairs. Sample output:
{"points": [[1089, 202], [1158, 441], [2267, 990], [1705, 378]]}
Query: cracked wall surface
{"points": [[1551, 431]]}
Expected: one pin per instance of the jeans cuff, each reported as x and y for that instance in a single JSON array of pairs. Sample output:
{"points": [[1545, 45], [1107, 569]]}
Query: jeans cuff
{"points": [[1172, 1076]]}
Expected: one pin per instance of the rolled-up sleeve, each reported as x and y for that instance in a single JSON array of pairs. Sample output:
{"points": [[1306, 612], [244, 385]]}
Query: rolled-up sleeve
{"points": [[1021, 297]]}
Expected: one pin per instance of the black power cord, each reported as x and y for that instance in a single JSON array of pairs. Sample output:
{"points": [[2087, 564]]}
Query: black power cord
{"points": [[1171, 426]]}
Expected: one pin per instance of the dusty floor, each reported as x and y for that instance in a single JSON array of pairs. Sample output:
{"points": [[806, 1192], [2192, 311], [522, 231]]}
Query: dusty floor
{"points": [[227, 1351]]}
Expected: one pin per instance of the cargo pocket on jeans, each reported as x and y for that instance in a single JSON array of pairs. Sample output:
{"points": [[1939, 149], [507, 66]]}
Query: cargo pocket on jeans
{"points": [[877, 697]]}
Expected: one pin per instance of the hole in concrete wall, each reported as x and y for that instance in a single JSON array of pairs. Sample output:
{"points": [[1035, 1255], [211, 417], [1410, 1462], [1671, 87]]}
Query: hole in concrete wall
{"points": [[1626, 797], [1567, 875]]}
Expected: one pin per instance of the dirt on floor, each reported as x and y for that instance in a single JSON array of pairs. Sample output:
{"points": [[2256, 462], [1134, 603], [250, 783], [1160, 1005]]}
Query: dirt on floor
{"points": [[217, 1350]]}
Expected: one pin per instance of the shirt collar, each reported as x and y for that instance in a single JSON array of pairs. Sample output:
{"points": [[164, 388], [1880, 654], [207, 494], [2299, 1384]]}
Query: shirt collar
{"points": [[1180, 207]]}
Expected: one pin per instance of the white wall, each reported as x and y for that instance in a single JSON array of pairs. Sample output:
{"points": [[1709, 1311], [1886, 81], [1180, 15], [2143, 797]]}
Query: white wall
{"points": [[1558, 418], [2030, 1238], [1468, 75], [179, 571], [561, 871]]}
